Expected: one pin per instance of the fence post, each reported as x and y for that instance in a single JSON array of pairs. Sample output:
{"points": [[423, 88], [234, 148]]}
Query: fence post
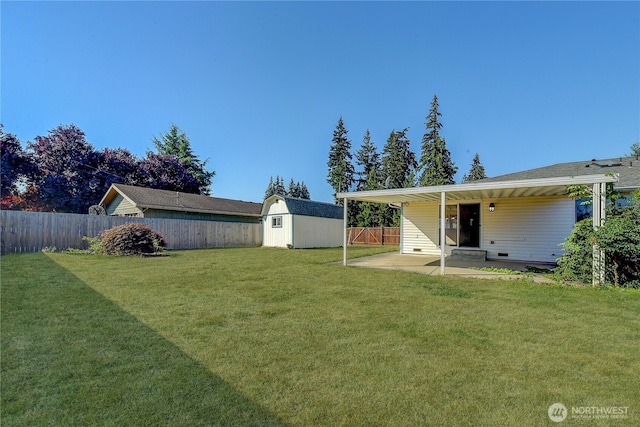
{"points": [[382, 235]]}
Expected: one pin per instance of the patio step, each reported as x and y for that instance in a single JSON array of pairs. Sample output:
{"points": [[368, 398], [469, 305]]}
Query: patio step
{"points": [[468, 255]]}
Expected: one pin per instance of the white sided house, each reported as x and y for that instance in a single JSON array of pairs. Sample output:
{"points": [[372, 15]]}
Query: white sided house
{"points": [[298, 223], [523, 216]]}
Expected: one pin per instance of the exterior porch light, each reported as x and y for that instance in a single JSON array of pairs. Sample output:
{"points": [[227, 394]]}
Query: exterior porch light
{"points": [[492, 207]]}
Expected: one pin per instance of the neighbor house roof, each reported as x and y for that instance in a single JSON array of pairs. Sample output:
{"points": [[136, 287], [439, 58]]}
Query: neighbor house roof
{"points": [[627, 168], [306, 207], [151, 198]]}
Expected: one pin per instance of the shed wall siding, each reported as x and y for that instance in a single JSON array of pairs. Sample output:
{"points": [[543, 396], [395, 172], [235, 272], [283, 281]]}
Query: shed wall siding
{"points": [[527, 229], [278, 237], [315, 232]]}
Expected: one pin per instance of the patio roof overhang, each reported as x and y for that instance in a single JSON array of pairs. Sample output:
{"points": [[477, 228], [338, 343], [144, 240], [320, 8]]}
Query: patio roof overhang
{"points": [[479, 190], [556, 186]]}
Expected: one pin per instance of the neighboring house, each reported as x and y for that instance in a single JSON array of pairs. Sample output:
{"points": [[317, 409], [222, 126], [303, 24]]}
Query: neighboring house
{"points": [[298, 223], [128, 200], [523, 216]]}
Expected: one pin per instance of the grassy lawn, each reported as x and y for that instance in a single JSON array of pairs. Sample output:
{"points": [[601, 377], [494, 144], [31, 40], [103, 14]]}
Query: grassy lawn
{"points": [[263, 336]]}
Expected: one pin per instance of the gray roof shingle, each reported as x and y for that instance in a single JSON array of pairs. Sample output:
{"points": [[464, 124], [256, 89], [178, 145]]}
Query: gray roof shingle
{"points": [[628, 169], [311, 208], [152, 198]]}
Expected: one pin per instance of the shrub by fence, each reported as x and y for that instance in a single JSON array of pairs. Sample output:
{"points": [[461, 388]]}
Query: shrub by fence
{"points": [[374, 236], [32, 231]]}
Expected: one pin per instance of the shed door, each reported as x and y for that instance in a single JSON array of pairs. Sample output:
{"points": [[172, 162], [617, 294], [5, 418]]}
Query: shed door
{"points": [[470, 225]]}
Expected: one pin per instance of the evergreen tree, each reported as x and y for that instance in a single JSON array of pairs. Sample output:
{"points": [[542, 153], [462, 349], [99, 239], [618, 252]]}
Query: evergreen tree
{"points": [[176, 143], [398, 164], [368, 159], [476, 172], [341, 170], [270, 191], [303, 191], [279, 186], [398, 161], [371, 214], [296, 188], [436, 165]]}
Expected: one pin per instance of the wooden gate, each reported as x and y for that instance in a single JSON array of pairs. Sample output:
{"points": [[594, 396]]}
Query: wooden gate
{"points": [[374, 236]]}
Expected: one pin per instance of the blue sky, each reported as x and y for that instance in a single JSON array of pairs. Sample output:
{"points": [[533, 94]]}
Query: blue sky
{"points": [[259, 86]]}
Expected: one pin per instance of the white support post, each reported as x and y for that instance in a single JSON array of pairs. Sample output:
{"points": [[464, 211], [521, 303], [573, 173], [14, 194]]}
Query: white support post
{"points": [[344, 240], [599, 204], [443, 235], [603, 214]]}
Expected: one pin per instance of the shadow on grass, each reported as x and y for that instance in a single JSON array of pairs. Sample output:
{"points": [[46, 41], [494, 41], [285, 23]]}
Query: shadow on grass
{"points": [[72, 357]]}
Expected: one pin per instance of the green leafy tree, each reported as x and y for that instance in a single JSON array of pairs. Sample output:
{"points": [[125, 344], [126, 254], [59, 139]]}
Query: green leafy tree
{"points": [[436, 165], [476, 172], [635, 149], [341, 171], [176, 143]]}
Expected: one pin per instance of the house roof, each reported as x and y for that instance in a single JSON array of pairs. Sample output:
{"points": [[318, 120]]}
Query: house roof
{"points": [[546, 181], [627, 168], [151, 198], [479, 190], [306, 207]]}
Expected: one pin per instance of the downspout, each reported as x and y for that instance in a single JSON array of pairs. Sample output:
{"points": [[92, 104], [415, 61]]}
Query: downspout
{"points": [[344, 232]]}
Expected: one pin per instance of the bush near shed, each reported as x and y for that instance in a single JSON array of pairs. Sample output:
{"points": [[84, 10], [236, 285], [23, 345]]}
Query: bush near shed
{"points": [[132, 239]]}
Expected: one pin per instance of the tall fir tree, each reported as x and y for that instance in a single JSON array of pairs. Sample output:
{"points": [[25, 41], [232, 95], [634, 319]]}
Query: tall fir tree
{"points": [[296, 189], [279, 186], [341, 171], [368, 160], [176, 143], [270, 191], [398, 161], [436, 165], [303, 191], [369, 174], [398, 165], [476, 172]]}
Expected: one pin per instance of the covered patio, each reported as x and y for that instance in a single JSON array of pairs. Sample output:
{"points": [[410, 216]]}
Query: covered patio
{"points": [[484, 193]]}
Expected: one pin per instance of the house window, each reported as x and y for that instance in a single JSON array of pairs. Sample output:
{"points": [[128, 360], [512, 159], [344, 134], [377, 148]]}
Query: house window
{"points": [[276, 222]]}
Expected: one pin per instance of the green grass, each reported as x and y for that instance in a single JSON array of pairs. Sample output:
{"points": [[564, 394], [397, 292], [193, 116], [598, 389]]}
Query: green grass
{"points": [[290, 337]]}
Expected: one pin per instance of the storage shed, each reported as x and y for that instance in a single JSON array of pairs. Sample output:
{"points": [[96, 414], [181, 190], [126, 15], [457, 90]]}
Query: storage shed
{"points": [[289, 222]]}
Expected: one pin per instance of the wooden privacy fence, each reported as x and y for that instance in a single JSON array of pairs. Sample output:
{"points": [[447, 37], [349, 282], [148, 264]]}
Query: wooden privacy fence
{"points": [[32, 231], [374, 236]]}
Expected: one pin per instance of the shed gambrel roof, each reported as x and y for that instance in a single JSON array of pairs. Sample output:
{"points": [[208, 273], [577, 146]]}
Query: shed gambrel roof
{"points": [[151, 198], [306, 207], [627, 168]]}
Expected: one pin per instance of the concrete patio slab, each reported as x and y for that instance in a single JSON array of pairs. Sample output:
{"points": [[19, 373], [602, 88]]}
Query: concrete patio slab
{"points": [[430, 265]]}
